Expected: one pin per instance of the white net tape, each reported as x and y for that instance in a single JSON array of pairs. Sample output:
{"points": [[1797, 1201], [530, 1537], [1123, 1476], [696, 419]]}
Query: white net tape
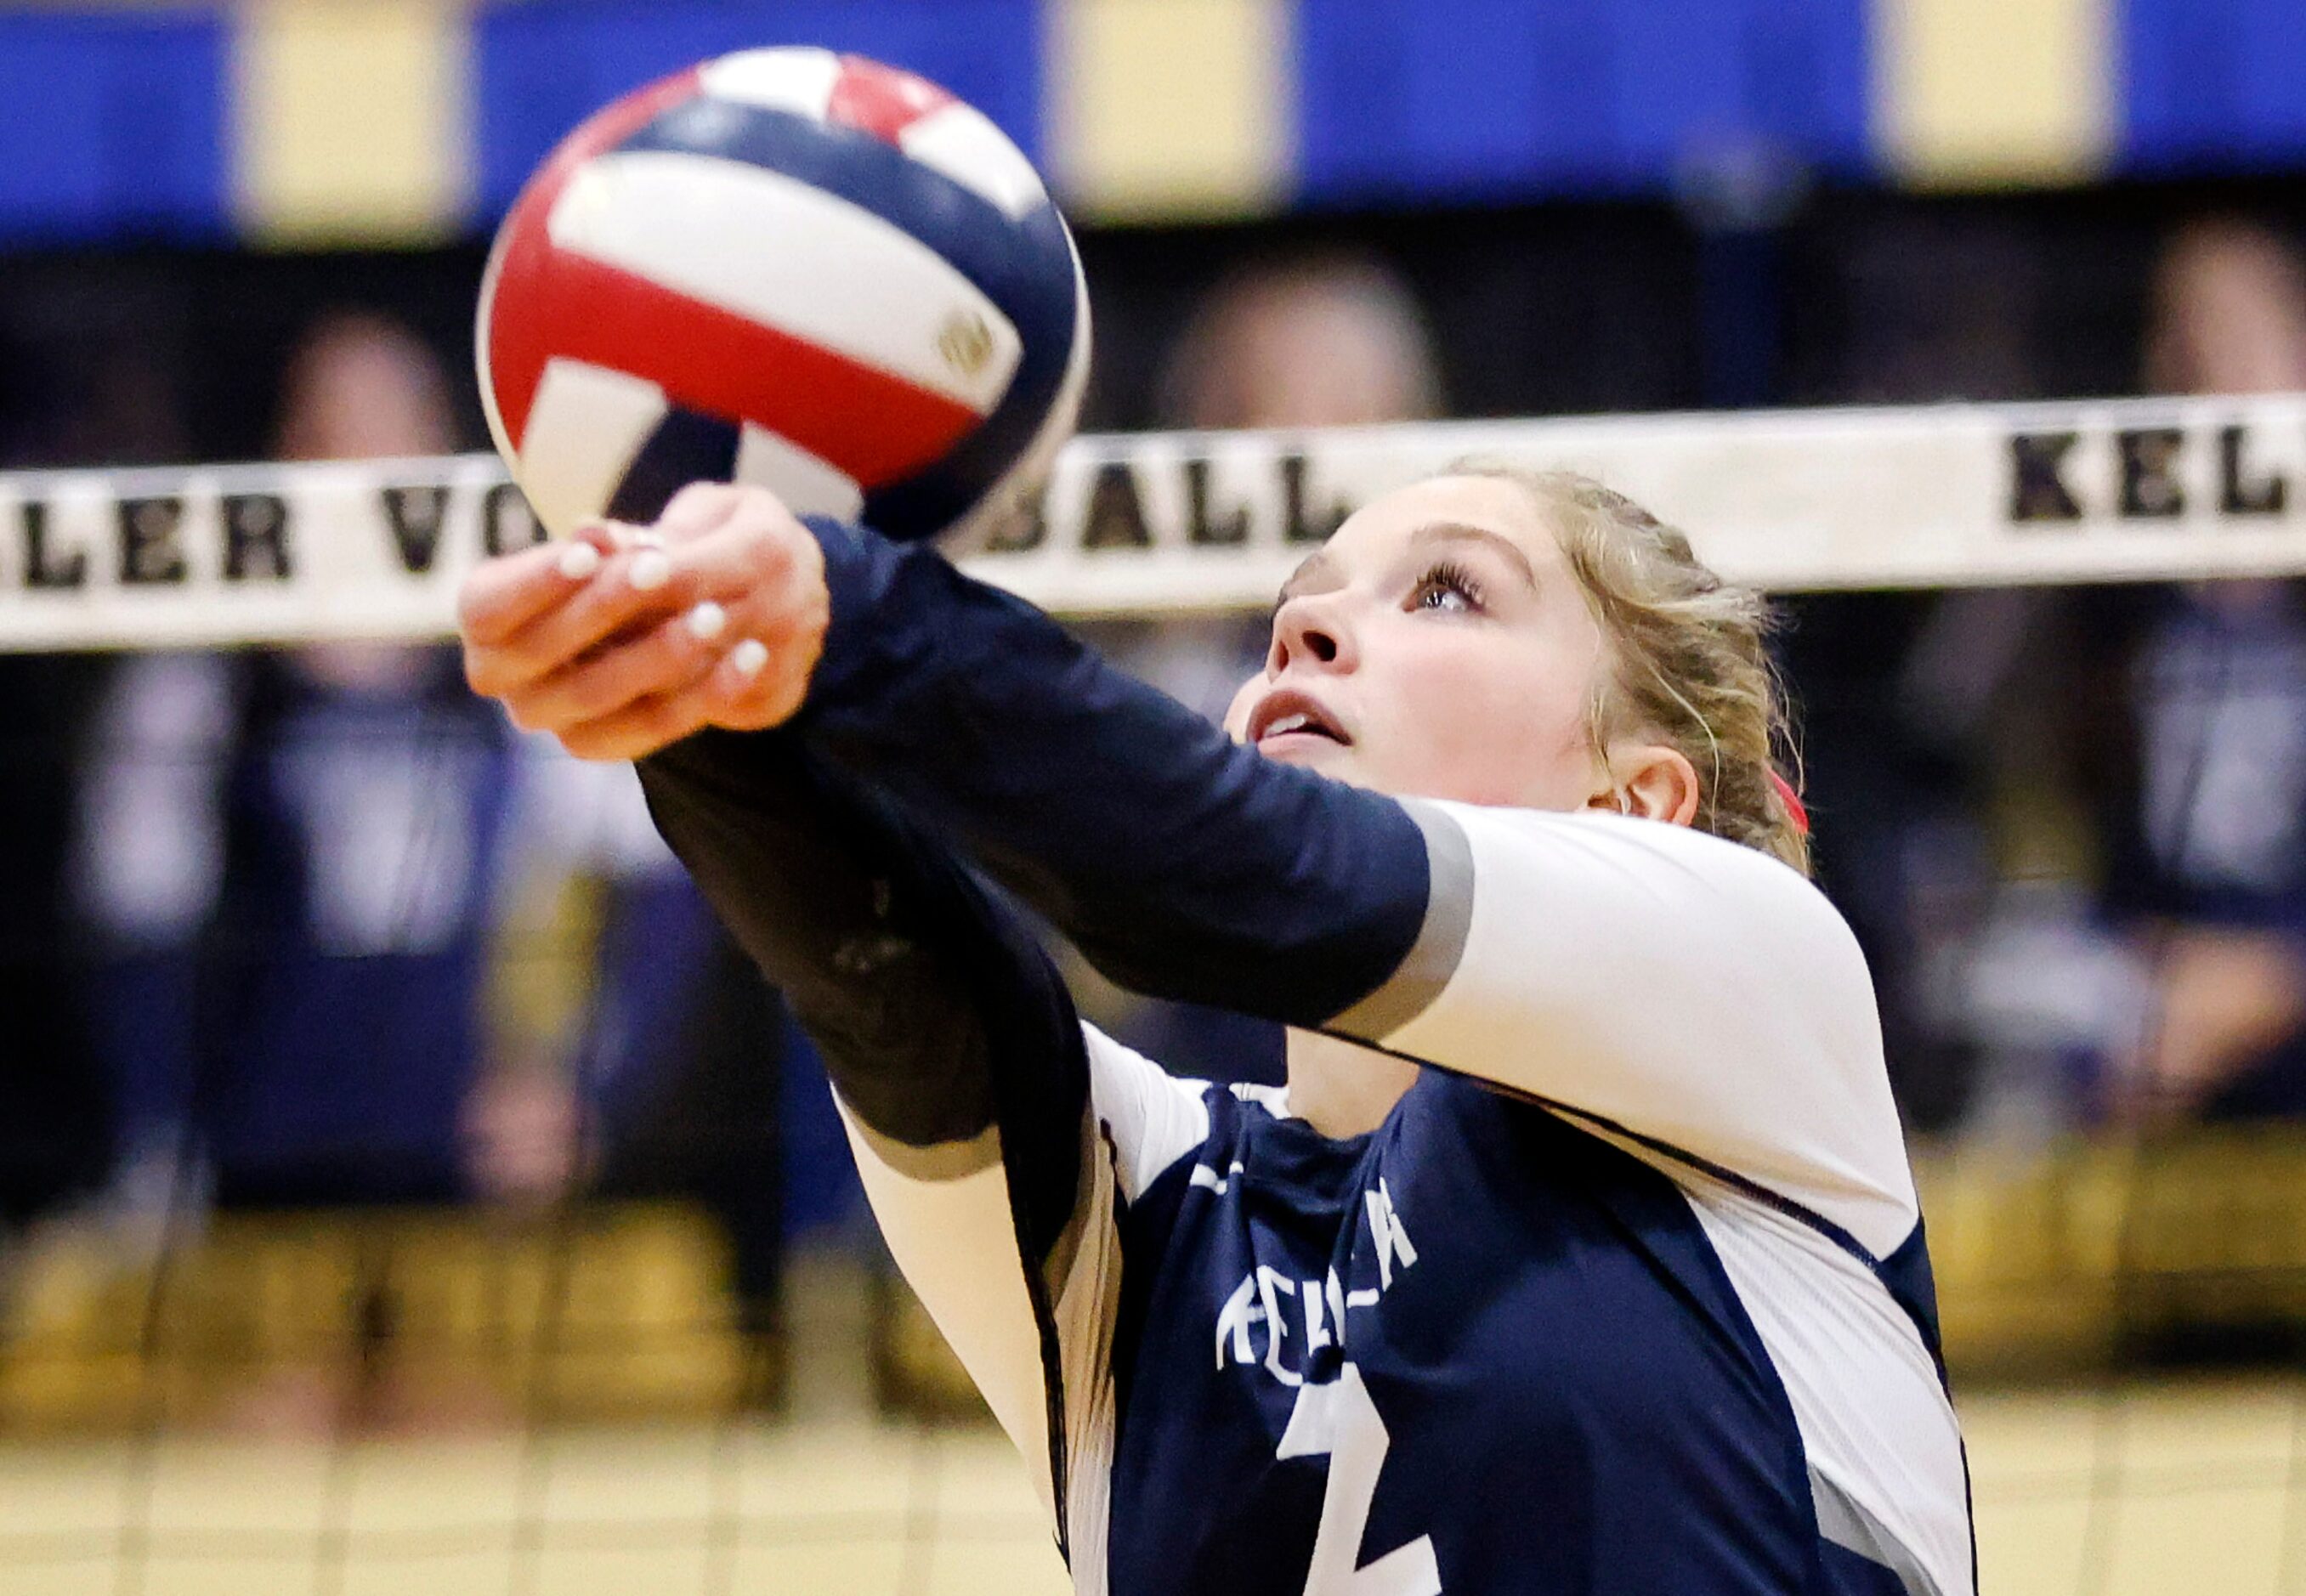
{"points": [[1938, 496]]}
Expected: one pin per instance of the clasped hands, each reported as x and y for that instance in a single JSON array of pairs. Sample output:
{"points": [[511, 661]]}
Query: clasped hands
{"points": [[622, 640]]}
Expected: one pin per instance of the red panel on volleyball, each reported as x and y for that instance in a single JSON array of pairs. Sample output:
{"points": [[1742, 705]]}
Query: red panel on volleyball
{"points": [[872, 425], [881, 101]]}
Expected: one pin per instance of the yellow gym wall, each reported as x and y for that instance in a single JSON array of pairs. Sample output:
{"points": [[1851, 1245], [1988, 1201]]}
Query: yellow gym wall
{"points": [[1169, 108], [1983, 93], [350, 120]]}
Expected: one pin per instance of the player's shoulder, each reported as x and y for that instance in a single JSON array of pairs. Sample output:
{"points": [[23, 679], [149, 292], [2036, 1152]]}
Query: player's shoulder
{"points": [[1593, 891], [1151, 1118], [1154, 1119], [1603, 832], [1633, 860]]}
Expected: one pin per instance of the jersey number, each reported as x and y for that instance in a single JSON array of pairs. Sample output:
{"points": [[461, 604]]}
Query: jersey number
{"points": [[1339, 1419]]}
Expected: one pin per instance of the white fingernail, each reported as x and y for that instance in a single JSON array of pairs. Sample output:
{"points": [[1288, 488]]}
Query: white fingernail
{"points": [[651, 569], [749, 656], [579, 560], [707, 621]]}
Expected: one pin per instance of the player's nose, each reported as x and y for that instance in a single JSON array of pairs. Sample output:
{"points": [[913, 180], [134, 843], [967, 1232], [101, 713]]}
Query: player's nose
{"points": [[1312, 631]]}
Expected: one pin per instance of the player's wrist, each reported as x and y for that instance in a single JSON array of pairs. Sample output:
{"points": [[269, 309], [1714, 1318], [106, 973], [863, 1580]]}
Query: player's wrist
{"points": [[856, 570]]}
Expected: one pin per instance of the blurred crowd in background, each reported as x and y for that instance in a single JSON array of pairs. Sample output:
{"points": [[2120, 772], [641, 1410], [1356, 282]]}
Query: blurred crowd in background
{"points": [[288, 929]]}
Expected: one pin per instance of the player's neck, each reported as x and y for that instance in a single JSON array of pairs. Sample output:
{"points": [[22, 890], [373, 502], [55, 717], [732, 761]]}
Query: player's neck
{"points": [[1341, 1088]]}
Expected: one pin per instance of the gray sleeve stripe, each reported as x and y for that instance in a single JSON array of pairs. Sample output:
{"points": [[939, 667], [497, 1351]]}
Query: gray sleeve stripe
{"points": [[1843, 1520], [1440, 943], [942, 1161]]}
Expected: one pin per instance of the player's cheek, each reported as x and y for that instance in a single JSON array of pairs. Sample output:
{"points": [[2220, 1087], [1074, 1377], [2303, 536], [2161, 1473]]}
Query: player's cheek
{"points": [[1476, 723]]}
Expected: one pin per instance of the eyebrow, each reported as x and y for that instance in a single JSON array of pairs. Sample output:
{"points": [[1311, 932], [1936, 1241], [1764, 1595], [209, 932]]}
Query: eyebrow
{"points": [[1319, 567], [1459, 531]]}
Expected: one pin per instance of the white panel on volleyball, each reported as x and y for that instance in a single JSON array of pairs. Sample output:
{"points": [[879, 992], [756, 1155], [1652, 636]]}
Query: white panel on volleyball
{"points": [[585, 427], [962, 143], [807, 485], [786, 255], [796, 78]]}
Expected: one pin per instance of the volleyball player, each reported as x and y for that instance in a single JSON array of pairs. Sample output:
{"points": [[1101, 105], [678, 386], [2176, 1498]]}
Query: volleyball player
{"points": [[1580, 1252]]}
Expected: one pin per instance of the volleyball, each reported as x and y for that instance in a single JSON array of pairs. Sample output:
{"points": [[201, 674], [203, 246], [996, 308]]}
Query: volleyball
{"points": [[785, 267]]}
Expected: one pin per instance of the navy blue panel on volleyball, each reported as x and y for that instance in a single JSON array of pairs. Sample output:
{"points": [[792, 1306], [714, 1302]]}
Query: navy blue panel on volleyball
{"points": [[684, 448], [1023, 266], [1044, 319], [968, 231]]}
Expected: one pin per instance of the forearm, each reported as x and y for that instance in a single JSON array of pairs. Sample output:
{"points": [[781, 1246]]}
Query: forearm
{"points": [[937, 1016], [1181, 864], [956, 1056]]}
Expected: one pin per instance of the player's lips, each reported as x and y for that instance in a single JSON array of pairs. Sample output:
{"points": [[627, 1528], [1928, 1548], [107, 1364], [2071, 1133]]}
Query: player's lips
{"points": [[1293, 714]]}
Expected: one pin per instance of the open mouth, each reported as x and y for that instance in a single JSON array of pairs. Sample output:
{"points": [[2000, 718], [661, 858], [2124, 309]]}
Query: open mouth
{"points": [[1294, 715]]}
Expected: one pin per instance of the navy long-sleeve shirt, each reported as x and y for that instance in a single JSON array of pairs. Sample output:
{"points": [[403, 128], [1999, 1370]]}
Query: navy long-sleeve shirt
{"points": [[1627, 1293]]}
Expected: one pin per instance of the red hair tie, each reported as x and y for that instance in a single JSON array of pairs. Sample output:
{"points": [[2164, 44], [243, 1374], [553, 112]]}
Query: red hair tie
{"points": [[1792, 801]]}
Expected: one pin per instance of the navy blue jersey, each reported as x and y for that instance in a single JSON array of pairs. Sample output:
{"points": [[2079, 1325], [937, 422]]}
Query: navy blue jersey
{"points": [[1478, 1340], [1633, 1277], [1628, 1293]]}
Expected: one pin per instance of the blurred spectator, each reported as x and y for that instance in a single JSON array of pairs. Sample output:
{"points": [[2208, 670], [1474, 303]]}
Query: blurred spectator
{"points": [[2228, 308], [371, 947], [104, 399], [644, 1055], [1936, 725], [362, 386], [293, 853], [365, 947], [2212, 830], [293, 857], [1330, 341]]}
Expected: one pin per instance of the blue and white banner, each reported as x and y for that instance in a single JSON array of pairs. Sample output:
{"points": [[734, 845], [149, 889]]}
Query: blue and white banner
{"points": [[1938, 496]]}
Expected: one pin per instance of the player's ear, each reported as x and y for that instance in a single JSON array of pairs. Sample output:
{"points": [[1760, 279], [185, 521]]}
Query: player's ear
{"points": [[1654, 780]]}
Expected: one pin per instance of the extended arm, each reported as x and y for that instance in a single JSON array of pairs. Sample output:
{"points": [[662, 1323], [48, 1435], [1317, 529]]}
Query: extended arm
{"points": [[1692, 994], [998, 1139], [1687, 990], [958, 1063], [1180, 862]]}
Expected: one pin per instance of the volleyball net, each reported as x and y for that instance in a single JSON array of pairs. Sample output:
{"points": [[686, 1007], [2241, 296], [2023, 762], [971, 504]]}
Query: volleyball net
{"points": [[1957, 495], [521, 1313]]}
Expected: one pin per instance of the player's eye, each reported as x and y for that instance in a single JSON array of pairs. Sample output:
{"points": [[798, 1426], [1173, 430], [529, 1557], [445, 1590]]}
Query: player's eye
{"points": [[1449, 586]]}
